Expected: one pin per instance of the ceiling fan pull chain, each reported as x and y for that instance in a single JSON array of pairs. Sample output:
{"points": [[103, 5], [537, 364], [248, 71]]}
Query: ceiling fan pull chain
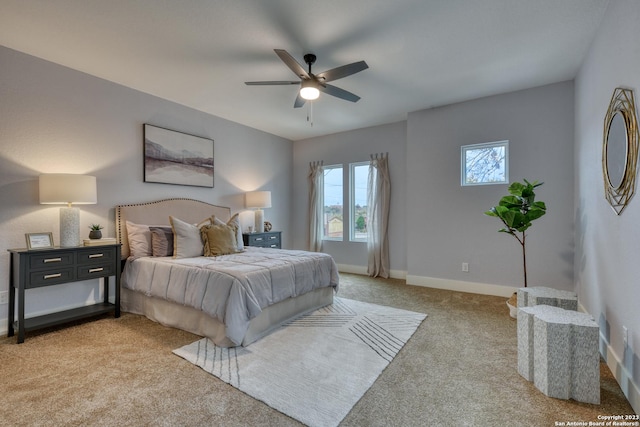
{"points": [[310, 113]]}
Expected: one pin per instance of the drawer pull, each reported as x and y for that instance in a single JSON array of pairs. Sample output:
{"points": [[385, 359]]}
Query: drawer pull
{"points": [[96, 255], [95, 270], [259, 239], [52, 276], [51, 260], [274, 246], [273, 237]]}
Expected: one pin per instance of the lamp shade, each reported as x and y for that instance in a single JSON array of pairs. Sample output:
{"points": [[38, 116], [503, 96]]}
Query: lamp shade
{"points": [[258, 199], [62, 188], [309, 90]]}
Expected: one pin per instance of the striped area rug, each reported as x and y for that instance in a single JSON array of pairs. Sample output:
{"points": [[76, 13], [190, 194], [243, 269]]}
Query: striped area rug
{"points": [[317, 366]]}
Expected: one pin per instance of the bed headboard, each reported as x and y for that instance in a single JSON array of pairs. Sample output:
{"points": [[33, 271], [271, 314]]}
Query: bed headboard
{"points": [[157, 213]]}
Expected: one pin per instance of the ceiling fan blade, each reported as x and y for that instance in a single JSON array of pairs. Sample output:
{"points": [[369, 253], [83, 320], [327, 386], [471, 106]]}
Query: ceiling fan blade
{"points": [[271, 83], [292, 63], [299, 102], [339, 93], [344, 71]]}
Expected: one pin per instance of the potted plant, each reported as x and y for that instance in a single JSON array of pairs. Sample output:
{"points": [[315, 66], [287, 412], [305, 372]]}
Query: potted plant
{"points": [[95, 232], [517, 211]]}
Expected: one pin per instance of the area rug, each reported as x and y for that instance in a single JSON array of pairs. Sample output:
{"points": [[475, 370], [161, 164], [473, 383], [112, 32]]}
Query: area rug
{"points": [[317, 366]]}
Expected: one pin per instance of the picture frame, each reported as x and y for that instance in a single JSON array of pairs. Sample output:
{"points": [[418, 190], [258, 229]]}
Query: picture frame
{"points": [[39, 240], [172, 157]]}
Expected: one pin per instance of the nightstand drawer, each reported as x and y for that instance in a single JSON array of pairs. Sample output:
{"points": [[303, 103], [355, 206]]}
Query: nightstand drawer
{"points": [[49, 277], [50, 260], [96, 255], [97, 270]]}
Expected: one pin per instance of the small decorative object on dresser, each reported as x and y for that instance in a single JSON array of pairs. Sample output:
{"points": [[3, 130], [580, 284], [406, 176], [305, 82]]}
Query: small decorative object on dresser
{"points": [[263, 240], [267, 226], [95, 232], [39, 240]]}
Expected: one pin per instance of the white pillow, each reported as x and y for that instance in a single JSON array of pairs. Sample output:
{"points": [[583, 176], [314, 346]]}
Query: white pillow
{"points": [[187, 242], [235, 223], [139, 237]]}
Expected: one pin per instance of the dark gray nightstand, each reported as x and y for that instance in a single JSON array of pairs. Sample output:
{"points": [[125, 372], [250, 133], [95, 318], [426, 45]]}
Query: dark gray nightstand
{"points": [[268, 239]]}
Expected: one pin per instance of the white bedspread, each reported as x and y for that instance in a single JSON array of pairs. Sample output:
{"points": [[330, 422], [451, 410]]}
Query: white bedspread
{"points": [[232, 288]]}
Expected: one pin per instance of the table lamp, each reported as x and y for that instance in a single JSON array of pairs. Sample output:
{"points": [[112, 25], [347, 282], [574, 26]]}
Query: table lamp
{"points": [[258, 200], [61, 188]]}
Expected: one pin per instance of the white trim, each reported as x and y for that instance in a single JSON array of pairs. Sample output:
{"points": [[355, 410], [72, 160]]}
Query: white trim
{"points": [[362, 270], [622, 375], [461, 286]]}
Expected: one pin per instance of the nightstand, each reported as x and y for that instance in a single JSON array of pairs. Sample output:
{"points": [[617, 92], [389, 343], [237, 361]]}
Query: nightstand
{"points": [[37, 268], [268, 239]]}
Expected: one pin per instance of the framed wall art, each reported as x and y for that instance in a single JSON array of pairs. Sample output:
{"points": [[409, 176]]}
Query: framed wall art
{"points": [[172, 157]]}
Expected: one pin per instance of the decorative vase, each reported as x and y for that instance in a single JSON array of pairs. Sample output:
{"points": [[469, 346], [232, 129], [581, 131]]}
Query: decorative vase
{"points": [[95, 234]]}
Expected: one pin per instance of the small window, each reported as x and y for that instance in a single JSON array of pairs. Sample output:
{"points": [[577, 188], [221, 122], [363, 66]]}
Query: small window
{"points": [[358, 206], [333, 219], [484, 164]]}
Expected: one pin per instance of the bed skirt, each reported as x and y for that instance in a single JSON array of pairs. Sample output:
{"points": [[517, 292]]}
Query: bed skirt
{"points": [[199, 323]]}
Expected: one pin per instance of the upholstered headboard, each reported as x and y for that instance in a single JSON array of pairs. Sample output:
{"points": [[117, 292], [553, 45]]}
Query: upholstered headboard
{"points": [[158, 212]]}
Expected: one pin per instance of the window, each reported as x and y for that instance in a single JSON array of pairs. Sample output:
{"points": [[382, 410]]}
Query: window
{"points": [[359, 174], [333, 219], [483, 164]]}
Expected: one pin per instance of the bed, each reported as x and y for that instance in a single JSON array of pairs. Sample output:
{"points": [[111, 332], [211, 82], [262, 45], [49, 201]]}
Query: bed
{"points": [[233, 299]]}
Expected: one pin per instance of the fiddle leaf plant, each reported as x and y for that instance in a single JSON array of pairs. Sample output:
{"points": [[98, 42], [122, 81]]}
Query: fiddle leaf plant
{"points": [[517, 211]]}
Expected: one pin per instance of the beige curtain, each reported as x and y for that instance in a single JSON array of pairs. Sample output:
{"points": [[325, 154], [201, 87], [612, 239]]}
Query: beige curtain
{"points": [[316, 202], [378, 204]]}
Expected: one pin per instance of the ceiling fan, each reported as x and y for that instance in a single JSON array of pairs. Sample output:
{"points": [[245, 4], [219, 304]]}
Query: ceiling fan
{"points": [[312, 84]]}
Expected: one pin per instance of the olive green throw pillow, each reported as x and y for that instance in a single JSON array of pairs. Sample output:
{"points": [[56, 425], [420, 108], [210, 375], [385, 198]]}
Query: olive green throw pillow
{"points": [[219, 239]]}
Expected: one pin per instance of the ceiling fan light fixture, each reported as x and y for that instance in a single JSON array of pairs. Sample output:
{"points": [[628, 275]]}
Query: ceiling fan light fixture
{"points": [[308, 90]]}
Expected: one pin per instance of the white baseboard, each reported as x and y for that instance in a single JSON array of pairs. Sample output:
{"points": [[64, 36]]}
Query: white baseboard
{"points": [[461, 286], [625, 378], [358, 269]]}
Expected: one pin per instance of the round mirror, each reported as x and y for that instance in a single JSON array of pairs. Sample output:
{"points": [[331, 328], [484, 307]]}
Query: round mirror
{"points": [[616, 151], [620, 149]]}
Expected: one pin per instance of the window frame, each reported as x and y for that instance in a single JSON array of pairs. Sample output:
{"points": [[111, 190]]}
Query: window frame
{"points": [[352, 197], [325, 236], [463, 164]]}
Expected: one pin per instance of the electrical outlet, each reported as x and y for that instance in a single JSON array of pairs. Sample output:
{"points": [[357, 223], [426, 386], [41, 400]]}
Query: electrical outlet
{"points": [[465, 267], [625, 335], [4, 297]]}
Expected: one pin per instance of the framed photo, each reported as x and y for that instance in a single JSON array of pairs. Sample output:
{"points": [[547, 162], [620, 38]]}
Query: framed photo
{"points": [[172, 157], [39, 240]]}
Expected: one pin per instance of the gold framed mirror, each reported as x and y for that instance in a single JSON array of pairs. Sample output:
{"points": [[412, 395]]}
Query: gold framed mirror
{"points": [[620, 149]]}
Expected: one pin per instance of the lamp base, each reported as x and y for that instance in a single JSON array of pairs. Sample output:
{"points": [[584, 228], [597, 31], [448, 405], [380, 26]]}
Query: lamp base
{"points": [[69, 227], [259, 221]]}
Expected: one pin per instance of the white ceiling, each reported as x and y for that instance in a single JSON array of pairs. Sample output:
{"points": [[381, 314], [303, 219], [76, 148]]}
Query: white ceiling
{"points": [[421, 53]]}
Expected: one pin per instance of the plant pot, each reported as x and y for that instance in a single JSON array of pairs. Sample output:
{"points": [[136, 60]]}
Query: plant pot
{"points": [[95, 234], [512, 303]]}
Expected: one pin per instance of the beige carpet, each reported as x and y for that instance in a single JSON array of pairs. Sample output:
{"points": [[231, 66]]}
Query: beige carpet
{"points": [[459, 368]]}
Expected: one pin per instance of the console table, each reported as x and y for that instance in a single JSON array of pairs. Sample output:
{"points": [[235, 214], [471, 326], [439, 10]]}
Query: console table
{"points": [[36, 268]]}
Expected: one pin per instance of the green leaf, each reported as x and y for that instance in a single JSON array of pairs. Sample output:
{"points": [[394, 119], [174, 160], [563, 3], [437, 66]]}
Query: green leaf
{"points": [[516, 188]]}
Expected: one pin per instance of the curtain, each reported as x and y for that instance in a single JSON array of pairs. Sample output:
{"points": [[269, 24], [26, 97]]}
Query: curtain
{"points": [[316, 202], [378, 204]]}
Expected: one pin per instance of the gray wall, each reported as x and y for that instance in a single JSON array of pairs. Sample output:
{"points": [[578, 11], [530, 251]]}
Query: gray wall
{"points": [[435, 223], [607, 245], [351, 147], [54, 119], [446, 224]]}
